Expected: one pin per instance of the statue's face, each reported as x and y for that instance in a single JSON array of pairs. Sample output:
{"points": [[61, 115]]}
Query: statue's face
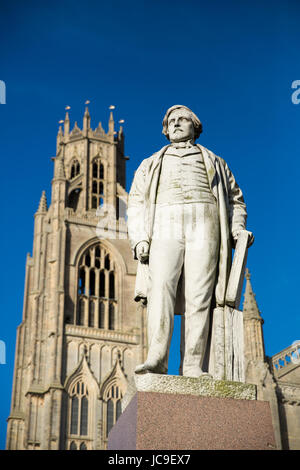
{"points": [[180, 126]]}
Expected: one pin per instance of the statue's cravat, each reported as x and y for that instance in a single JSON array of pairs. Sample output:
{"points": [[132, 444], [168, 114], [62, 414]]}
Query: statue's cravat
{"points": [[182, 145]]}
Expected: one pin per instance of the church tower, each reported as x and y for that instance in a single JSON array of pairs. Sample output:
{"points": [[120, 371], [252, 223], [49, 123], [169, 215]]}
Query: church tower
{"points": [[82, 333]]}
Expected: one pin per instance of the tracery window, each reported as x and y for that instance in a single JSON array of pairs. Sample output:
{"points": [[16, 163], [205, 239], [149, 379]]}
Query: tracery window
{"points": [[97, 179], [97, 290], [75, 169], [78, 416], [113, 406], [79, 410]]}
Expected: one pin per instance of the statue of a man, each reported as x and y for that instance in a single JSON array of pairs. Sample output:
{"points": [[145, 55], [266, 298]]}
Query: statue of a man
{"points": [[185, 212]]}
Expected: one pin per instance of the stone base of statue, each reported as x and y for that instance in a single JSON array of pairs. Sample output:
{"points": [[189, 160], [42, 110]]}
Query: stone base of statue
{"points": [[163, 412]]}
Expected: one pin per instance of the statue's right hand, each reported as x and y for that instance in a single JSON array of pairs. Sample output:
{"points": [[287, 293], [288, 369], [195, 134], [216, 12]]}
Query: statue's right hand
{"points": [[142, 251]]}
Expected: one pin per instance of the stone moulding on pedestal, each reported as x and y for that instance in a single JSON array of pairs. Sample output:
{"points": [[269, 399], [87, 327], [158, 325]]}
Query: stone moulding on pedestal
{"points": [[200, 386]]}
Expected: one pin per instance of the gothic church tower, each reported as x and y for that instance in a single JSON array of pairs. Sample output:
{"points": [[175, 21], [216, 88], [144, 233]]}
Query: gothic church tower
{"points": [[82, 333]]}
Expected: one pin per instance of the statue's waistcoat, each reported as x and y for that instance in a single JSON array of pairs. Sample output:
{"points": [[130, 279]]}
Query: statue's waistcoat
{"points": [[183, 178]]}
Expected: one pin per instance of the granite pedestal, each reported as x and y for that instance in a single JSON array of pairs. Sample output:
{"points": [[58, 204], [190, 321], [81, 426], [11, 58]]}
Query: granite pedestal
{"points": [[203, 419]]}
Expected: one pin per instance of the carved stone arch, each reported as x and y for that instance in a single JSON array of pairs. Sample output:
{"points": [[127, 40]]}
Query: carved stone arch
{"points": [[99, 285], [82, 391], [116, 375], [74, 158], [99, 153], [82, 370], [120, 261], [99, 156]]}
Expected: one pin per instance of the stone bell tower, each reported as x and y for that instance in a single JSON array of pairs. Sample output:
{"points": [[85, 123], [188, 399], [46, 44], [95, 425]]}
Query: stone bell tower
{"points": [[81, 334]]}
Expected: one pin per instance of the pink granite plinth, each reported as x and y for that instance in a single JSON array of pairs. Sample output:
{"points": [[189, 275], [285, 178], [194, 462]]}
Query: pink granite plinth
{"points": [[160, 421]]}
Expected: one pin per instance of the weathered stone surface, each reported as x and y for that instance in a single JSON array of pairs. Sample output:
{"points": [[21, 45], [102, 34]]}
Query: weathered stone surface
{"points": [[227, 346], [200, 386]]}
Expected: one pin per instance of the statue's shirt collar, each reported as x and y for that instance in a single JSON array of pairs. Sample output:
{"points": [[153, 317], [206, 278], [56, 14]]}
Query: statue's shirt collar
{"points": [[182, 151]]}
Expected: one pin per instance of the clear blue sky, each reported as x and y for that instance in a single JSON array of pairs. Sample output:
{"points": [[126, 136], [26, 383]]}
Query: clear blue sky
{"points": [[232, 62]]}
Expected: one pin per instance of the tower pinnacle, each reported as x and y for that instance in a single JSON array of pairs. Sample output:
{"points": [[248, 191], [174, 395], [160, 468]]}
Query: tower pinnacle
{"points": [[250, 307], [59, 170], [60, 132], [59, 138], [67, 124], [43, 203], [86, 119], [111, 122]]}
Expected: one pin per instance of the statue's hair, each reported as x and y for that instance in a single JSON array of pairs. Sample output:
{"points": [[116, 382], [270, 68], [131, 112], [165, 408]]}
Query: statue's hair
{"points": [[195, 120]]}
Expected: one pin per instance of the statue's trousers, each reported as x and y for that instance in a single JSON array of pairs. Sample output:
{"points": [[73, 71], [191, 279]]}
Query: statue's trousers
{"points": [[186, 238]]}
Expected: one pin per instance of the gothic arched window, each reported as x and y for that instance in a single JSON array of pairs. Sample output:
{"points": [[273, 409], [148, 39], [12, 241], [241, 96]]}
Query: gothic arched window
{"points": [[113, 406], [97, 302], [97, 183], [75, 169], [80, 415], [79, 406]]}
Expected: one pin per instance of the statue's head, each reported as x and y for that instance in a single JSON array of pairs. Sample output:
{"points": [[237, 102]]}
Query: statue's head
{"points": [[181, 124]]}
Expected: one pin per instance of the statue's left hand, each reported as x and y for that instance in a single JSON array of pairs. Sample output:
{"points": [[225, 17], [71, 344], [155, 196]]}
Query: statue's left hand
{"points": [[250, 238]]}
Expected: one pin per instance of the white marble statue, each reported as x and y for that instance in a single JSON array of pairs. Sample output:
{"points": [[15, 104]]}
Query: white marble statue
{"points": [[185, 213]]}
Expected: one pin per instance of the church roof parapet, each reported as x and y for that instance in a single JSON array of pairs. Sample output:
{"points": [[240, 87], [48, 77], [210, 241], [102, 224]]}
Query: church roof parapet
{"points": [[286, 360]]}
